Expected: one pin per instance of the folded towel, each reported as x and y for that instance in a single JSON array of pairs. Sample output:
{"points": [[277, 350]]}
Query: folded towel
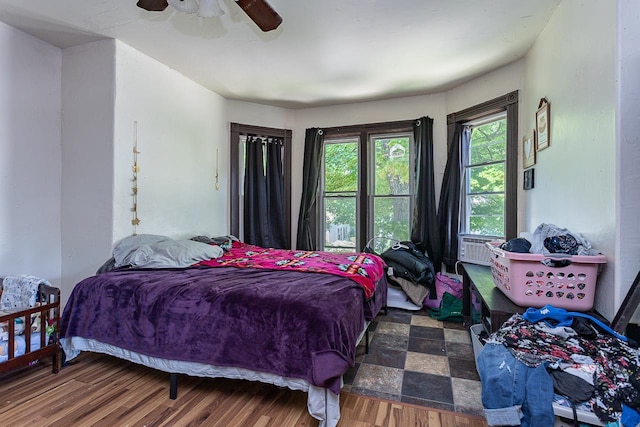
{"points": [[19, 292]]}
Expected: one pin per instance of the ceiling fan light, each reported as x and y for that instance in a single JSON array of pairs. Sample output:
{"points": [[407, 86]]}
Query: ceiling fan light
{"points": [[186, 6], [210, 9], [153, 5]]}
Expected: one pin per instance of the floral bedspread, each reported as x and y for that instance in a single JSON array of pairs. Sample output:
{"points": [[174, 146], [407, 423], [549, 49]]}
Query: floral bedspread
{"points": [[363, 268]]}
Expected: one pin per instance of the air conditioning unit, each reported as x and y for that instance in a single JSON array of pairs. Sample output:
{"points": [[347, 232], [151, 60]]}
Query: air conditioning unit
{"points": [[472, 248]]}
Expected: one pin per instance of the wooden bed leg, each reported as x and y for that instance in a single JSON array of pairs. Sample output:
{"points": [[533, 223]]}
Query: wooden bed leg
{"points": [[173, 386]]}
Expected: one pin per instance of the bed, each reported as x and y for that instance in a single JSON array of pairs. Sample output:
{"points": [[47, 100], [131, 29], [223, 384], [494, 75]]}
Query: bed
{"points": [[288, 318]]}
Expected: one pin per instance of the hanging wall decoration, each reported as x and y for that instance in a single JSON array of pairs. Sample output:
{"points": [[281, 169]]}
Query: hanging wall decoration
{"points": [[543, 120], [217, 183], [528, 181], [528, 150], [135, 221]]}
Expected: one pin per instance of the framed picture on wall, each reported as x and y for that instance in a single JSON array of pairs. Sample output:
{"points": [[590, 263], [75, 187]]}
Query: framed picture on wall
{"points": [[528, 150], [528, 181], [542, 124]]}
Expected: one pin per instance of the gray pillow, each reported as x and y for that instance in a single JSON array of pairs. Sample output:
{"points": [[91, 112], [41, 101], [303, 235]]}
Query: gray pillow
{"points": [[125, 247], [172, 253]]}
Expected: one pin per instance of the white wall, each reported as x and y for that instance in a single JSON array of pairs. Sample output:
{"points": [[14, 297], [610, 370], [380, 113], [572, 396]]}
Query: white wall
{"points": [[491, 85], [106, 87], [30, 160], [628, 149], [180, 126], [88, 93], [573, 65]]}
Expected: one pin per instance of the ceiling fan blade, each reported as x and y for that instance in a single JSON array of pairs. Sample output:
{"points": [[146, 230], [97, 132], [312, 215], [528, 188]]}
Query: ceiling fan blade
{"points": [[261, 13], [153, 5]]}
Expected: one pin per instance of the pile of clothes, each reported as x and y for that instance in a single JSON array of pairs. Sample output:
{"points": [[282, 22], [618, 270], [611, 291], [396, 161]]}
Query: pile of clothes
{"points": [[573, 354], [551, 239]]}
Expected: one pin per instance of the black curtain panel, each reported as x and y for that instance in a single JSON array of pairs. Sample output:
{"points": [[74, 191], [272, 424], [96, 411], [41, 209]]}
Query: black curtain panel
{"points": [[313, 142], [263, 194], [275, 195], [424, 230], [450, 192]]}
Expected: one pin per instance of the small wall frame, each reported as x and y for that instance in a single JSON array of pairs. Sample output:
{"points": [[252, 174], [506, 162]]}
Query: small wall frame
{"points": [[543, 119], [528, 181], [528, 150]]}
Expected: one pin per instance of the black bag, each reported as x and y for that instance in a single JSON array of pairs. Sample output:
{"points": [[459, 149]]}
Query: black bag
{"points": [[411, 264]]}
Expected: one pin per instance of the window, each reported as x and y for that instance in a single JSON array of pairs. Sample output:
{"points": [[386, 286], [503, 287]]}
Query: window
{"points": [[366, 187], [484, 160], [392, 194], [489, 167], [340, 180]]}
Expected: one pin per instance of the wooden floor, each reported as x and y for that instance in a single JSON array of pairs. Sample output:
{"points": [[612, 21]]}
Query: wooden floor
{"points": [[97, 390]]}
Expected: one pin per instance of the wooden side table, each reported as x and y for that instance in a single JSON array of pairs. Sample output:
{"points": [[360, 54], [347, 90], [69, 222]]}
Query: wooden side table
{"points": [[482, 302]]}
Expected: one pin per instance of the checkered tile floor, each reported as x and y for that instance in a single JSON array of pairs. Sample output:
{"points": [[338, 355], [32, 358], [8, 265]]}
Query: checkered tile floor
{"points": [[419, 360]]}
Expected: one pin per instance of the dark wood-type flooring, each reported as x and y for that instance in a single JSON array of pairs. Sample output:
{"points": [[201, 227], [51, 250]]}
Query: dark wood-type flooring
{"points": [[99, 390]]}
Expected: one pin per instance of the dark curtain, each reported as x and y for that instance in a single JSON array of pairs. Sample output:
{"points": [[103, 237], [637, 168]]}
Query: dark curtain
{"points": [[310, 176], [275, 192], [424, 230], [449, 206], [263, 194]]}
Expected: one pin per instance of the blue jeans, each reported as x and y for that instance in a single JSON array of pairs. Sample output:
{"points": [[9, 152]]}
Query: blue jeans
{"points": [[512, 392]]}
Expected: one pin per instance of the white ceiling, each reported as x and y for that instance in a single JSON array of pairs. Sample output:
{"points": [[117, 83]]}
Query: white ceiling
{"points": [[325, 52]]}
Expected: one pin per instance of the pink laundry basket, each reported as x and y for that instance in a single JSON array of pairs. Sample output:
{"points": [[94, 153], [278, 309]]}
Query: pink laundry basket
{"points": [[535, 280]]}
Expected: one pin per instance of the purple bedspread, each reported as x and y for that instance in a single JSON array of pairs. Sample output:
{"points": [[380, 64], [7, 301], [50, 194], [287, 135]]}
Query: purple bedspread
{"points": [[292, 324]]}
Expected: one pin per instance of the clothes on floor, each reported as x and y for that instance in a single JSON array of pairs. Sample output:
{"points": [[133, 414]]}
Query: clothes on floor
{"points": [[514, 393], [616, 374]]}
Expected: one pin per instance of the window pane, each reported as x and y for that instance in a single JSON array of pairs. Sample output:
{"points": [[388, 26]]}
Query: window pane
{"points": [[392, 166], [340, 223], [341, 167], [488, 142], [486, 179], [486, 214], [391, 220]]}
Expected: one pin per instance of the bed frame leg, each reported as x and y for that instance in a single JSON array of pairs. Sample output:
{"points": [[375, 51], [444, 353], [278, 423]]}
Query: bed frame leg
{"points": [[366, 341], [173, 386]]}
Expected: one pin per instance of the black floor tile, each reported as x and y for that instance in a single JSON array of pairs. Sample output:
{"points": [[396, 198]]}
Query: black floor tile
{"points": [[426, 332], [463, 368], [427, 386], [421, 345], [459, 350], [398, 316], [393, 342], [386, 357]]}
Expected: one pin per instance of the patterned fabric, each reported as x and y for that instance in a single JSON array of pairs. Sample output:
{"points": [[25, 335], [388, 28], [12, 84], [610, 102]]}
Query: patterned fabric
{"points": [[363, 268], [19, 292], [617, 364]]}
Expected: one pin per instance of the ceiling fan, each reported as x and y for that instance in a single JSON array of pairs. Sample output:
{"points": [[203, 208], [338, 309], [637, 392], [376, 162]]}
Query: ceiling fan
{"points": [[259, 11]]}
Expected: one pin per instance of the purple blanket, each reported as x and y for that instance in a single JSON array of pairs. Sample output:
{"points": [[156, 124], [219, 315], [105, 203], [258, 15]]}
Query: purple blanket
{"points": [[292, 324]]}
